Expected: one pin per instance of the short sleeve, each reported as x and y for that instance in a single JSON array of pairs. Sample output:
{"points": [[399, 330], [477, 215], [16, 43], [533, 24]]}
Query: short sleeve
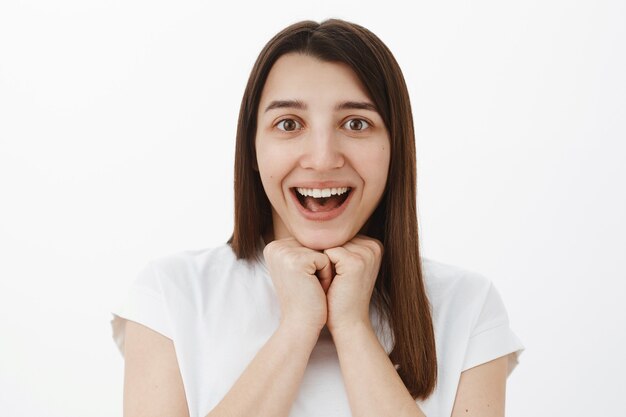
{"points": [[144, 304], [492, 336]]}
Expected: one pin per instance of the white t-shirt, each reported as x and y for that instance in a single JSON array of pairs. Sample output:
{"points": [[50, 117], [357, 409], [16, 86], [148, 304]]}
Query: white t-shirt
{"points": [[220, 311]]}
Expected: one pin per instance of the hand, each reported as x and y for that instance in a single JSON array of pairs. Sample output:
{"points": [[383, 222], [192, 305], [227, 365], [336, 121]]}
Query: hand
{"points": [[294, 270], [356, 265]]}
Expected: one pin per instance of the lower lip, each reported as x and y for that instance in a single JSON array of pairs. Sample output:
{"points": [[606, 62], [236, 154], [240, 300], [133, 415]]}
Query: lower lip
{"points": [[321, 215]]}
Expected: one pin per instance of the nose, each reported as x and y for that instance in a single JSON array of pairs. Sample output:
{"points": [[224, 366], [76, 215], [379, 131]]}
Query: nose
{"points": [[322, 151]]}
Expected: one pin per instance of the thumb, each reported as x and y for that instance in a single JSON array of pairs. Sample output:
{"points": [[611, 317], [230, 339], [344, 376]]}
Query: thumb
{"points": [[324, 271]]}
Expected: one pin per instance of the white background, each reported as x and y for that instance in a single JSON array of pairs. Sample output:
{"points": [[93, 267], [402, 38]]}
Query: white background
{"points": [[117, 125]]}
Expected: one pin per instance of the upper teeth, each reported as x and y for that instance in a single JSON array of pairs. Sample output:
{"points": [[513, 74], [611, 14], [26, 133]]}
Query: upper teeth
{"points": [[321, 192]]}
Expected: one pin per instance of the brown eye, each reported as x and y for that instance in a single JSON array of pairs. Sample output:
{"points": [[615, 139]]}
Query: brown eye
{"points": [[356, 125], [289, 125]]}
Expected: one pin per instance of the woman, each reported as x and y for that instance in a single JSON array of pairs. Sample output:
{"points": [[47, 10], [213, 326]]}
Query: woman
{"points": [[320, 304]]}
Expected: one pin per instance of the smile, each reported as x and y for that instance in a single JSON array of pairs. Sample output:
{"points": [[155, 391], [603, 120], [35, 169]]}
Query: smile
{"points": [[321, 203]]}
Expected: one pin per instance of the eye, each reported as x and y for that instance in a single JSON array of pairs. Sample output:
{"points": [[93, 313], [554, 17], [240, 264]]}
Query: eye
{"points": [[356, 125], [289, 125]]}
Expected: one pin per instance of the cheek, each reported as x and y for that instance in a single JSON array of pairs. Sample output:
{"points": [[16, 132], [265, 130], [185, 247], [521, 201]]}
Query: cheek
{"points": [[375, 165], [264, 157], [273, 168], [275, 159]]}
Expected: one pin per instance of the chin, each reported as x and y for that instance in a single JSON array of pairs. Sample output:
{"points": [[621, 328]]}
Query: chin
{"points": [[324, 240]]}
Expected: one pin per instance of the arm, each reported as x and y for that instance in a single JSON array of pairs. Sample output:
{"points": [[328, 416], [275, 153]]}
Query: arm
{"points": [[375, 388], [373, 385], [153, 385], [268, 386], [482, 390]]}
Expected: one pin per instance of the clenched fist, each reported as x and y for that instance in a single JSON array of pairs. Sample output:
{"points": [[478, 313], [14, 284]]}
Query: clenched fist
{"points": [[356, 264], [300, 276], [333, 287]]}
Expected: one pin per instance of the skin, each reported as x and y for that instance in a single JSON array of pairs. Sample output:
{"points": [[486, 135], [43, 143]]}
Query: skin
{"points": [[323, 271], [311, 139], [318, 104]]}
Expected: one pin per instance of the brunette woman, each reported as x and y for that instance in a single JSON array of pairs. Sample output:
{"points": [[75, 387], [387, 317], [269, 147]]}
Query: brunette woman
{"points": [[320, 303]]}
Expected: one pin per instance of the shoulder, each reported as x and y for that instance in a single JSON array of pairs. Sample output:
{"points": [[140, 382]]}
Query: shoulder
{"points": [[193, 261], [445, 283], [462, 296], [468, 311], [188, 269], [470, 323], [201, 258]]}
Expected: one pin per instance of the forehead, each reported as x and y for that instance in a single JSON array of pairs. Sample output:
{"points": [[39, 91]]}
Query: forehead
{"points": [[309, 79]]}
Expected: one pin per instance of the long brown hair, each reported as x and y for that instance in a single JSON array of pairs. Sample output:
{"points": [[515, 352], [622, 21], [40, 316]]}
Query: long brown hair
{"points": [[399, 292]]}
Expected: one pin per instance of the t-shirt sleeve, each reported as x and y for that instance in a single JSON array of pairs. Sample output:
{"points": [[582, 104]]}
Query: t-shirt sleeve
{"points": [[492, 336], [144, 304]]}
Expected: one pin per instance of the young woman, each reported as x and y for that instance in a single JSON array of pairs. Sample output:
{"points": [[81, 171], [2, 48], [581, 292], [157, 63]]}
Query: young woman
{"points": [[320, 304]]}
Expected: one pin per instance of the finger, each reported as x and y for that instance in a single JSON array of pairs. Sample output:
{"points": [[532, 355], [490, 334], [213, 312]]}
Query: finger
{"points": [[325, 275], [323, 269], [358, 258], [321, 262], [357, 248], [336, 255], [373, 245], [368, 253]]}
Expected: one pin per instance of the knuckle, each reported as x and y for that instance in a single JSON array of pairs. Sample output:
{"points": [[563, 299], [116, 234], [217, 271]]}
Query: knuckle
{"points": [[378, 248], [375, 246], [358, 261]]}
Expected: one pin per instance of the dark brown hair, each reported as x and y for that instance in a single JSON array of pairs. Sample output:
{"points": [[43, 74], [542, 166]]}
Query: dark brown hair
{"points": [[399, 291]]}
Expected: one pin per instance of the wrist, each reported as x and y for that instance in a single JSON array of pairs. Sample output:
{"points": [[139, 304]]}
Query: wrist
{"points": [[351, 329], [300, 330]]}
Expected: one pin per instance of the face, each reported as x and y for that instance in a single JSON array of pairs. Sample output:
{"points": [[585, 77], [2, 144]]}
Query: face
{"points": [[322, 151]]}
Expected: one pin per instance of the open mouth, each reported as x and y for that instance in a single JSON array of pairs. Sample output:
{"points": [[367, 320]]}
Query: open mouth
{"points": [[321, 199]]}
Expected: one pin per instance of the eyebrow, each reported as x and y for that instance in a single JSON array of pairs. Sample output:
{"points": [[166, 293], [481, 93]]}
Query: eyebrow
{"points": [[297, 104], [282, 104], [356, 105]]}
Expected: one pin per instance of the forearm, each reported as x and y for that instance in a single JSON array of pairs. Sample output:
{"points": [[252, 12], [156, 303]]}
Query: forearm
{"points": [[271, 381], [373, 385]]}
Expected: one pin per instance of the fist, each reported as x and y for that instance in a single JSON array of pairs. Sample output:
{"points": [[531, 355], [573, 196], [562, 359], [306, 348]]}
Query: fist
{"points": [[356, 266], [301, 277]]}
